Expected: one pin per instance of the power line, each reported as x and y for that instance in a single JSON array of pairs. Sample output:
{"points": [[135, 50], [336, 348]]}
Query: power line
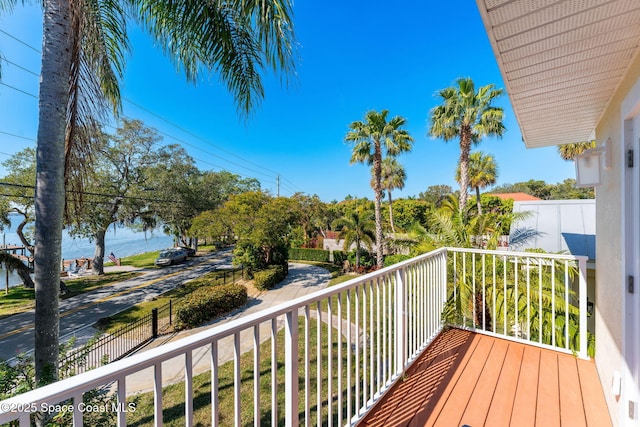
{"points": [[16, 136], [20, 41], [291, 188]]}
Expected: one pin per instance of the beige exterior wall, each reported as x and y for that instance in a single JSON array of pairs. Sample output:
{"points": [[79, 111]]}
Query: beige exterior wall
{"points": [[610, 250]]}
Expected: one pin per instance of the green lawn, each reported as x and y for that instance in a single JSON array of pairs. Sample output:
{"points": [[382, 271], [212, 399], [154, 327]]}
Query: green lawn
{"points": [[20, 299], [142, 309], [174, 396]]}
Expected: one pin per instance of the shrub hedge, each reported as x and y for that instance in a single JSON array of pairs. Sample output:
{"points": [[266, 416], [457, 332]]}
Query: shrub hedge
{"points": [[209, 302], [339, 257], [308, 254], [267, 279], [394, 259]]}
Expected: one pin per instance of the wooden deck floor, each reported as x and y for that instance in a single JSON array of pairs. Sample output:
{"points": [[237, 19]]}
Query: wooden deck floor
{"points": [[468, 379]]}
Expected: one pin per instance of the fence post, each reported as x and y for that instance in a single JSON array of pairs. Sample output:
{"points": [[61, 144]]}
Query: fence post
{"points": [[170, 312], [154, 323]]}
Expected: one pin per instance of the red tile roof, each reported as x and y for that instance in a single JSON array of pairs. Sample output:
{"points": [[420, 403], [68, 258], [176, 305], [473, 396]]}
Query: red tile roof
{"points": [[516, 197]]}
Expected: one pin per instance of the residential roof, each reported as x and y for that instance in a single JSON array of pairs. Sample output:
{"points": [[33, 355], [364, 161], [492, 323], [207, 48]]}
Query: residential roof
{"points": [[517, 197], [561, 225], [561, 61]]}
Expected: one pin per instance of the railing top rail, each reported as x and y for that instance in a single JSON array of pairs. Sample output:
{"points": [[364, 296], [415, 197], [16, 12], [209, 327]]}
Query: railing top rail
{"points": [[569, 257], [137, 362]]}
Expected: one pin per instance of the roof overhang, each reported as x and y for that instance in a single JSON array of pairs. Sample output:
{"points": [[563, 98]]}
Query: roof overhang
{"points": [[561, 61]]}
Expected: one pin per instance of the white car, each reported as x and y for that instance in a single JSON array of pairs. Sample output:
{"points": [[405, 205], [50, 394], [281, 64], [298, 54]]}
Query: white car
{"points": [[171, 256]]}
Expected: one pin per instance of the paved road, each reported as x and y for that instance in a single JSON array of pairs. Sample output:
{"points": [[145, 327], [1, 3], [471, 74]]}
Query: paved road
{"points": [[77, 314]]}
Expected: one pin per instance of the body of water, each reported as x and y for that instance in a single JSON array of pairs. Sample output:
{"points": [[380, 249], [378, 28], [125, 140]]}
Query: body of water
{"points": [[121, 241]]}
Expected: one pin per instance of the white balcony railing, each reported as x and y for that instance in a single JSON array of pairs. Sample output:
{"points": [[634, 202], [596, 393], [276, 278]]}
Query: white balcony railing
{"points": [[341, 348]]}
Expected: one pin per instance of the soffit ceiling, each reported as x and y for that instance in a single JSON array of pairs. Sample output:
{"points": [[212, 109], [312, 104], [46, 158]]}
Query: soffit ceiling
{"points": [[561, 61]]}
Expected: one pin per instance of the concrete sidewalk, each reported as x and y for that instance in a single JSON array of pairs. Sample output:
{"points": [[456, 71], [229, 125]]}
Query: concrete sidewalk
{"points": [[303, 279]]}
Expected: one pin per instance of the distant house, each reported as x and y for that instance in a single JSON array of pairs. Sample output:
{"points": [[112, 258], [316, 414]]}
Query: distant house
{"points": [[516, 197]]}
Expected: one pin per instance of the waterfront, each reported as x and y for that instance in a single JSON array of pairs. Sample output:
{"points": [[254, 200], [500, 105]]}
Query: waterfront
{"points": [[121, 241]]}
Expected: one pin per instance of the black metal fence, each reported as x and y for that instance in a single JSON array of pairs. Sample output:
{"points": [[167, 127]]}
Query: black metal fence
{"points": [[116, 345]]}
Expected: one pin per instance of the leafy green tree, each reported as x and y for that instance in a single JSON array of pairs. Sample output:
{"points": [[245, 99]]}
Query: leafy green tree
{"points": [[468, 116], [18, 192], [393, 177], [567, 189], [86, 42], [483, 172], [436, 194], [370, 138], [312, 214], [118, 171], [356, 229]]}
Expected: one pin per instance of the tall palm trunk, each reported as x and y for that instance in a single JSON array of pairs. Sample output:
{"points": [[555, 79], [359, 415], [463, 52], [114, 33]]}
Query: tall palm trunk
{"points": [[393, 228], [377, 189], [50, 191], [478, 203], [465, 148]]}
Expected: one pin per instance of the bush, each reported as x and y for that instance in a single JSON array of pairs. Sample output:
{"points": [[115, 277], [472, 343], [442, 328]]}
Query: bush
{"points": [[394, 259], [339, 257], [209, 302], [367, 260], [267, 279], [305, 254]]}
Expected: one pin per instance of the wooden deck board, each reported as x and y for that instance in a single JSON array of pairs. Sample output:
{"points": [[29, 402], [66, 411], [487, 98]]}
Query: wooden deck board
{"points": [[548, 407], [470, 379], [502, 403]]}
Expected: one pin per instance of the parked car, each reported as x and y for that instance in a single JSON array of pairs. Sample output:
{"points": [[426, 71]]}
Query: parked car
{"points": [[190, 251], [171, 256]]}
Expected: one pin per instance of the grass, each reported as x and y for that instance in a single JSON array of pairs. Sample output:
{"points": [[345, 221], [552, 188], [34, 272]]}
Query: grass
{"points": [[174, 395], [20, 299], [143, 260], [142, 309]]}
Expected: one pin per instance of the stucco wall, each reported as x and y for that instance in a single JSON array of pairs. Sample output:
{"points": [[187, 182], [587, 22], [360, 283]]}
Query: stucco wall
{"points": [[610, 275]]}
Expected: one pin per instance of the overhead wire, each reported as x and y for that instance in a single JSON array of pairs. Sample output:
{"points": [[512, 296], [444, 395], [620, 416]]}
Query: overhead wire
{"points": [[291, 188]]}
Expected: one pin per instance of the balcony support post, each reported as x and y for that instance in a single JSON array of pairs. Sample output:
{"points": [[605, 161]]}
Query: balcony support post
{"points": [[401, 321], [291, 369], [582, 263]]}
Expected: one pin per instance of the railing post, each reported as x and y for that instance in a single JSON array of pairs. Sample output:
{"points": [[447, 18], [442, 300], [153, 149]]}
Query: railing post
{"points": [[154, 323], [582, 263], [401, 321], [291, 369], [170, 312]]}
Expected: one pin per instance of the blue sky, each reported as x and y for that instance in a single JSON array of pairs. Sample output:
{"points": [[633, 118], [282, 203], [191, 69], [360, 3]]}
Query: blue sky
{"points": [[354, 56]]}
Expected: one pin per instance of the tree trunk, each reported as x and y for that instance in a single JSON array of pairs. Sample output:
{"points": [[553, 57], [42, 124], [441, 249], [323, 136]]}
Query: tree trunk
{"points": [[23, 239], [478, 200], [393, 229], [50, 192], [465, 148], [97, 266], [377, 189]]}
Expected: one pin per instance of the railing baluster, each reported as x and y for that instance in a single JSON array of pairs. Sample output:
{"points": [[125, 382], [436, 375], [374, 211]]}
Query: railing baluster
{"points": [[256, 376], [528, 298], [307, 365], [157, 394], [349, 356], [566, 304], [553, 303], [237, 406], [188, 388], [329, 362], [582, 284], [318, 363], [215, 410], [340, 364], [516, 296], [291, 369], [371, 345], [274, 371], [356, 361], [540, 330], [495, 317], [505, 330], [484, 294], [122, 400], [473, 282]]}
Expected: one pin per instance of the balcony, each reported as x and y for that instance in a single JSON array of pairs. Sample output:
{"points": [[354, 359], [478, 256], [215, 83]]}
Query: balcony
{"points": [[394, 347]]}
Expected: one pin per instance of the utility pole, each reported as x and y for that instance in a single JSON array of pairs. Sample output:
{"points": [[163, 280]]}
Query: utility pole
{"points": [[278, 184]]}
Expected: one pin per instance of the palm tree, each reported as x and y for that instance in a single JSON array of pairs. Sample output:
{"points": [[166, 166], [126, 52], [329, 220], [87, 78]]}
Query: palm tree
{"points": [[369, 138], [393, 177], [468, 116], [483, 172], [355, 229], [83, 50], [570, 151]]}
